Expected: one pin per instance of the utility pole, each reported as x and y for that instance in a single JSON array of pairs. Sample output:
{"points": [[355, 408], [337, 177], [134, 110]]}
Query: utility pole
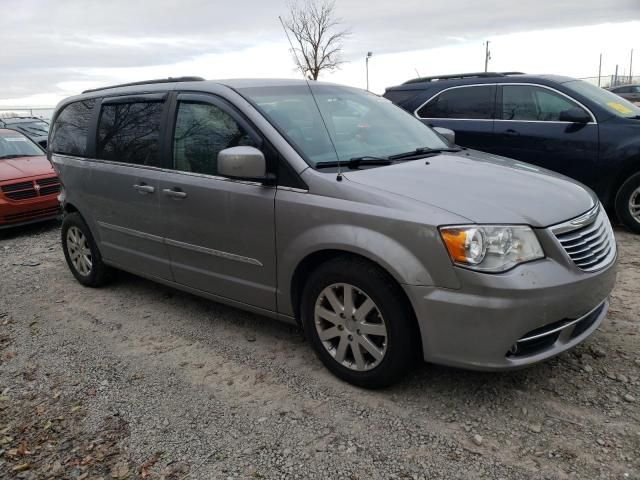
{"points": [[615, 77], [600, 69], [487, 56], [366, 59], [631, 67]]}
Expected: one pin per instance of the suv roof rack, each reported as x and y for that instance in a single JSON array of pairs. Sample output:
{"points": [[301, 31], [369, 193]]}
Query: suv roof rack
{"points": [[148, 82], [461, 75]]}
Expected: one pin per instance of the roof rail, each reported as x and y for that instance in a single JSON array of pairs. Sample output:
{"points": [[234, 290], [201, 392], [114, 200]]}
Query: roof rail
{"points": [[149, 82], [461, 75]]}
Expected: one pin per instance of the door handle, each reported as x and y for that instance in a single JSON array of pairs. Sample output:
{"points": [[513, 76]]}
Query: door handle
{"points": [[170, 192], [144, 189], [511, 133]]}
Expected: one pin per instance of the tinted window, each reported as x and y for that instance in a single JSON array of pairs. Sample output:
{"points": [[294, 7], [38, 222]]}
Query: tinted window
{"points": [[622, 90], [462, 102], [400, 96], [129, 133], [69, 134], [202, 131], [526, 102]]}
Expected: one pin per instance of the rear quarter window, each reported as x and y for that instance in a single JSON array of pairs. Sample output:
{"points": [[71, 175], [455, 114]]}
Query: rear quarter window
{"points": [[474, 102], [69, 132]]}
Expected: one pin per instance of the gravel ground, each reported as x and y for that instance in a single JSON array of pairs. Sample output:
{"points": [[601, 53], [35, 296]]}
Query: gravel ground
{"points": [[136, 380]]}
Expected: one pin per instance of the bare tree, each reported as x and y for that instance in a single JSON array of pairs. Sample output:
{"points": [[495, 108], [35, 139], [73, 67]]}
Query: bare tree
{"points": [[317, 36]]}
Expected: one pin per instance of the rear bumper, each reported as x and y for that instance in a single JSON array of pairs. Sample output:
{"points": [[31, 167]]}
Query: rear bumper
{"points": [[511, 320]]}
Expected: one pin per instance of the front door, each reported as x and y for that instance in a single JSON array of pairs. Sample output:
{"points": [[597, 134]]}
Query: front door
{"points": [[468, 110], [530, 129], [220, 232], [123, 188]]}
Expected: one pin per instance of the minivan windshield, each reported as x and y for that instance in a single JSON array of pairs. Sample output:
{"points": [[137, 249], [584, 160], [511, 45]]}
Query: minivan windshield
{"points": [[15, 144], [610, 101], [339, 123]]}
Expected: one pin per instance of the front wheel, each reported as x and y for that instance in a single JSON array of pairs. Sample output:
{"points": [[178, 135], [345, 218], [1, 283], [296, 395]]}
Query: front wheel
{"points": [[81, 252], [359, 323], [628, 203]]}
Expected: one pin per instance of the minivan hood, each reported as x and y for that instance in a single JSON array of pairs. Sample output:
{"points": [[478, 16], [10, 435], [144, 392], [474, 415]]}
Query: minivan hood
{"points": [[483, 188], [21, 167]]}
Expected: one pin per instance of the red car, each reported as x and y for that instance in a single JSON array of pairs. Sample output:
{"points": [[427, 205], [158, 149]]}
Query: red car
{"points": [[28, 185]]}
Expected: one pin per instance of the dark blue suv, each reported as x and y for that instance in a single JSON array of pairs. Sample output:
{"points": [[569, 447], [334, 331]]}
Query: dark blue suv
{"points": [[559, 123]]}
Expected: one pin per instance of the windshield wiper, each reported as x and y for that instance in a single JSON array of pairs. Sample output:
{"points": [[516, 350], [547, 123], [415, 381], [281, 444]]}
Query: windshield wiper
{"points": [[3, 157], [422, 151], [355, 162]]}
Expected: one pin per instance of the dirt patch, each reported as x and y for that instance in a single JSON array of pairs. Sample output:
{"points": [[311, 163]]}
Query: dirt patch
{"points": [[137, 380]]}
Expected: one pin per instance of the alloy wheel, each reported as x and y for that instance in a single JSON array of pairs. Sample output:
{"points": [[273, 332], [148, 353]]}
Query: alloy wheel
{"points": [[634, 204], [351, 327], [79, 251]]}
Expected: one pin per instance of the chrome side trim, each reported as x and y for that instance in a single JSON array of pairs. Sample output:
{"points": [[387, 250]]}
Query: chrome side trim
{"points": [[293, 189], [175, 243], [593, 118], [129, 231], [562, 327], [211, 251]]}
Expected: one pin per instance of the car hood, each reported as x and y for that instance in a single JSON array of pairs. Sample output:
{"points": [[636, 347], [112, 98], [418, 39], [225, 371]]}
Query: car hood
{"points": [[21, 167], [483, 188]]}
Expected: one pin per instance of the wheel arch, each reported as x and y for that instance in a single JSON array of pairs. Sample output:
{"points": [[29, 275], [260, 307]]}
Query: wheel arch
{"points": [[313, 260]]}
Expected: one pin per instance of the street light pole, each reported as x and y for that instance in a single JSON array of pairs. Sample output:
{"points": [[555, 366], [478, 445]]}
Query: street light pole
{"points": [[631, 67], [369, 55], [487, 56], [600, 69]]}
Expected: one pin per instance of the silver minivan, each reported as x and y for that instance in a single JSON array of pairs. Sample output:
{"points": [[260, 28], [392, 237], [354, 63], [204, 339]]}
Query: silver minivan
{"points": [[329, 207]]}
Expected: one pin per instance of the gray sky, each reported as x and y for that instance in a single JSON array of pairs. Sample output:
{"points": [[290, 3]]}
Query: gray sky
{"points": [[51, 47]]}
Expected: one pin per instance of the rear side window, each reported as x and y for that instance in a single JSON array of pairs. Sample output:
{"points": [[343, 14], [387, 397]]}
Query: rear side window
{"points": [[476, 102], [527, 102], [69, 132], [400, 96], [130, 133], [202, 131]]}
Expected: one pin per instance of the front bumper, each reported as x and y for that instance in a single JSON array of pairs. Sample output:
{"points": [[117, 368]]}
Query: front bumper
{"points": [[480, 326]]}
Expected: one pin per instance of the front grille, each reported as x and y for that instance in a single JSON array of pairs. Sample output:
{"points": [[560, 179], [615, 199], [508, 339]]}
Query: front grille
{"points": [[48, 181], [26, 190], [588, 240]]}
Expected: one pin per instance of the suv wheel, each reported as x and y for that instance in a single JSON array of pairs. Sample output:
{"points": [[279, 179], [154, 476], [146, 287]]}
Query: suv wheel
{"points": [[628, 203], [81, 252], [358, 323]]}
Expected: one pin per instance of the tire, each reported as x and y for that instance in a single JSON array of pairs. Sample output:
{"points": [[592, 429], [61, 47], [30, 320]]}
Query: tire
{"points": [[390, 314], [81, 252], [628, 195]]}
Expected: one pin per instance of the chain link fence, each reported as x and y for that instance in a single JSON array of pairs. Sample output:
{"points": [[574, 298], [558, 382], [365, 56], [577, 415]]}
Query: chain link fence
{"points": [[608, 81]]}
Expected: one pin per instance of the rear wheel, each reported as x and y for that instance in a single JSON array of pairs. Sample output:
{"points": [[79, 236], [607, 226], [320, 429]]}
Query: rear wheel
{"points": [[628, 203], [81, 252], [359, 323]]}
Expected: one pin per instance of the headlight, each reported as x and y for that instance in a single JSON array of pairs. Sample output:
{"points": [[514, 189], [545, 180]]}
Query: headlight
{"points": [[491, 248]]}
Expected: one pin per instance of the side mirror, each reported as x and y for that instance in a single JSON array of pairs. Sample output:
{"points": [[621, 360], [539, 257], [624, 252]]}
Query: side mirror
{"points": [[243, 163], [574, 115], [448, 134]]}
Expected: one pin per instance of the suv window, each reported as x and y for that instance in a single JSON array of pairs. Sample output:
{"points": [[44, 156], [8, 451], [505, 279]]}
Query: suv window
{"points": [[130, 133], [69, 133], [202, 131], [477, 102], [528, 102]]}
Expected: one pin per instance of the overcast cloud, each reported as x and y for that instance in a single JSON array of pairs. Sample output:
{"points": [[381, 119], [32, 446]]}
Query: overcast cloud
{"points": [[48, 46]]}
